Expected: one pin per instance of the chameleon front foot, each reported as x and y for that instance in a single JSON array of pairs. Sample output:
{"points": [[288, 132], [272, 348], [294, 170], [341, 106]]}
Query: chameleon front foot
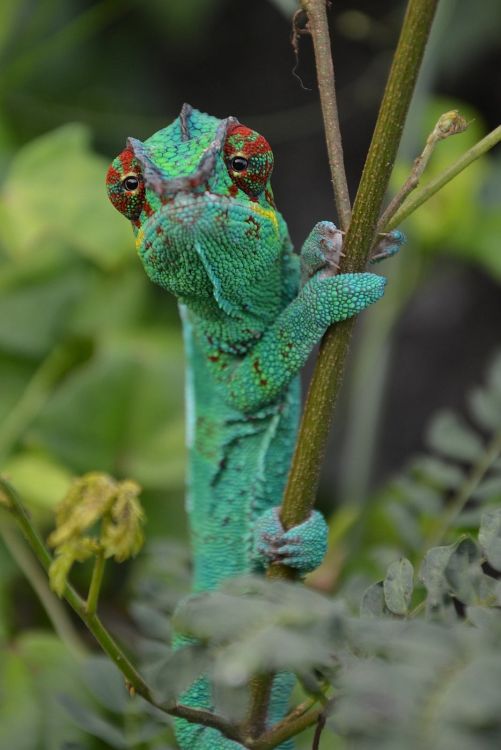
{"points": [[303, 547], [389, 244], [322, 250]]}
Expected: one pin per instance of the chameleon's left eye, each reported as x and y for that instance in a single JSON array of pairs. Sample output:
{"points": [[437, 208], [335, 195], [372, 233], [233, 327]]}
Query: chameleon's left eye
{"points": [[249, 159], [125, 185], [130, 183]]}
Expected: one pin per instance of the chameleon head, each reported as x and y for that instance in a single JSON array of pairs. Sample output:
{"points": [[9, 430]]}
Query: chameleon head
{"points": [[198, 195]]}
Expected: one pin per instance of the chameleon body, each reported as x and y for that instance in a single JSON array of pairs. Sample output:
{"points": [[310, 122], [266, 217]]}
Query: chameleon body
{"points": [[199, 198]]}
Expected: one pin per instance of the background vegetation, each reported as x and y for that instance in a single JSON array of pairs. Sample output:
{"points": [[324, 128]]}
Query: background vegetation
{"points": [[91, 357]]}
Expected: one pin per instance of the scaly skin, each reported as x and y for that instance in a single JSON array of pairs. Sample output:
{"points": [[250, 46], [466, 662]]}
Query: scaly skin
{"points": [[207, 230]]}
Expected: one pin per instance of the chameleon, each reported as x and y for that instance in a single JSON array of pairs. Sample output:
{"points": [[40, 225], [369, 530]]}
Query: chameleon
{"points": [[207, 230]]}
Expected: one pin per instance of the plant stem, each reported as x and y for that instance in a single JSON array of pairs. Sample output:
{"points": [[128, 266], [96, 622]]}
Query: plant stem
{"points": [[55, 611], [432, 187], [10, 501], [285, 730], [465, 491], [450, 123], [32, 398], [95, 583], [304, 475], [318, 26]]}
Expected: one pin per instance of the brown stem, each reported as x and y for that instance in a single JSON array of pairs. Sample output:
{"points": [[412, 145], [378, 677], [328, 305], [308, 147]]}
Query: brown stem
{"points": [[318, 26]]}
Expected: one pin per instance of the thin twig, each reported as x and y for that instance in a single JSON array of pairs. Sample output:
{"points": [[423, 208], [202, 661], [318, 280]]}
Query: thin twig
{"points": [[10, 501], [432, 187], [95, 583], [318, 26], [38, 581], [465, 491], [318, 732], [450, 123]]}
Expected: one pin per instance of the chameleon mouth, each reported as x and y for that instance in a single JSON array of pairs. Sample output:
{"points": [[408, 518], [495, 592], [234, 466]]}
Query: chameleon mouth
{"points": [[159, 181]]}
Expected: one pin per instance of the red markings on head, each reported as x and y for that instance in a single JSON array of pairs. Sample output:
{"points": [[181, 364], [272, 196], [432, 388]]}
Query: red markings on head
{"points": [[125, 185]]}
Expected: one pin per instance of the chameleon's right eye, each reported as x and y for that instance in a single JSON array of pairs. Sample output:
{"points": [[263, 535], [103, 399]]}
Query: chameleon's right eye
{"points": [[125, 185]]}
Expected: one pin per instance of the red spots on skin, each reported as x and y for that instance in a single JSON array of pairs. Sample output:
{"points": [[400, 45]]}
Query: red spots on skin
{"points": [[269, 197], [254, 229], [127, 202], [256, 366], [233, 190], [244, 142]]}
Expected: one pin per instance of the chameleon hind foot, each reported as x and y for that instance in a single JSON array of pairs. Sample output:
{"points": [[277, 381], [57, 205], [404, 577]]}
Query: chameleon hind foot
{"points": [[302, 547]]}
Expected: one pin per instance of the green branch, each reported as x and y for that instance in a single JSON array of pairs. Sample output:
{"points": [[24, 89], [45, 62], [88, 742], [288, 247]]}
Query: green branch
{"points": [[11, 502], [432, 187]]}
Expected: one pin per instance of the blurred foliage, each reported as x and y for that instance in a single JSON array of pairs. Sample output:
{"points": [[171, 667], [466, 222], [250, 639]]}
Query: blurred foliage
{"points": [[91, 379]]}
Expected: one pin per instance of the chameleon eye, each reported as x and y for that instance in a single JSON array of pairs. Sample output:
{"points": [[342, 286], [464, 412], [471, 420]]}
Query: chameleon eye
{"points": [[130, 183], [125, 185], [239, 163], [249, 159]]}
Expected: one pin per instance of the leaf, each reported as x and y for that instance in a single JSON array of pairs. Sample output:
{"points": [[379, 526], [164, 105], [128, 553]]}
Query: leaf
{"points": [[432, 572], [173, 674], [450, 435], [485, 407], [437, 472], [91, 722], [398, 586], [489, 489], [23, 329], [463, 571], [490, 536], [373, 601], [106, 683], [55, 187], [39, 479]]}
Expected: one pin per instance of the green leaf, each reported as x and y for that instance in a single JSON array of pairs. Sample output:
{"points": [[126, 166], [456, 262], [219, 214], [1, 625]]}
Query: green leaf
{"points": [[90, 721], [432, 572], [450, 435], [398, 586], [106, 683], [23, 329], [115, 413], [55, 187], [35, 672], [437, 472], [41, 481], [463, 571], [490, 536], [489, 489], [373, 601]]}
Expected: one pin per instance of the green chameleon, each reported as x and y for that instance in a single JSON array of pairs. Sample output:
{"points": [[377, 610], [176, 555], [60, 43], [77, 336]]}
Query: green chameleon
{"points": [[207, 230]]}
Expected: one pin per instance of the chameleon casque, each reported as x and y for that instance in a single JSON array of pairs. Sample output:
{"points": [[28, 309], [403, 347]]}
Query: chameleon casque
{"points": [[207, 230]]}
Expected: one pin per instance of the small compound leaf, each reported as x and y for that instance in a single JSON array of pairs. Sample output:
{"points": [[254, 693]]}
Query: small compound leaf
{"points": [[490, 536], [463, 571], [94, 724], [106, 683], [489, 489], [485, 407], [373, 601], [398, 586], [437, 472], [432, 573], [451, 436]]}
